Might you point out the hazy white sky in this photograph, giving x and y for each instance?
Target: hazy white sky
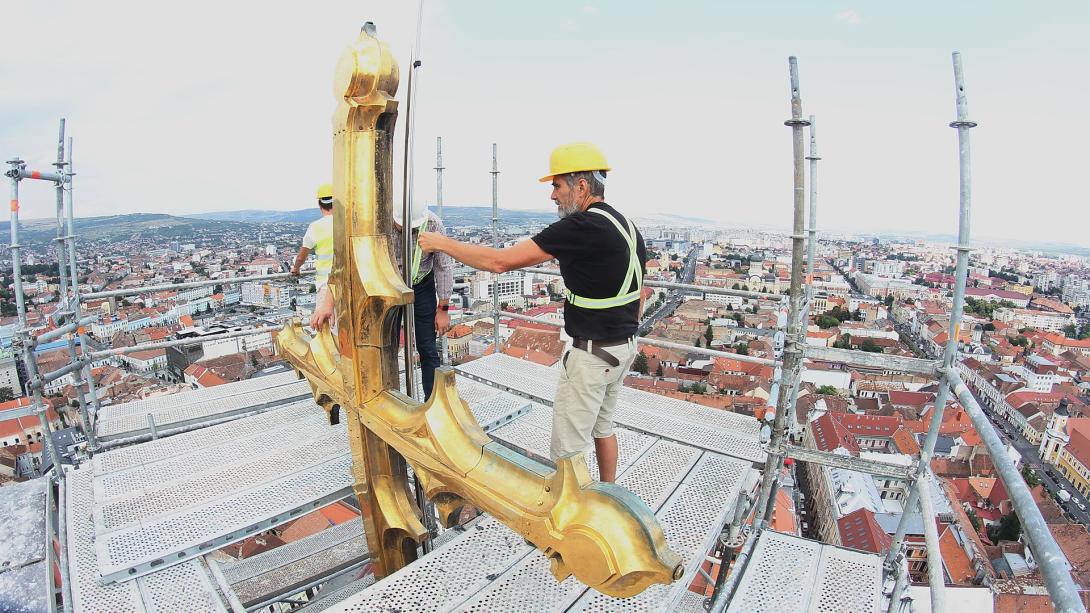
(201, 106)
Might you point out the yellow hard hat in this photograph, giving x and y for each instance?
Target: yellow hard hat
(325, 190)
(575, 157)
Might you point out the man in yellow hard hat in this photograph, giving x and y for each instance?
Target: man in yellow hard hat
(319, 239)
(602, 259)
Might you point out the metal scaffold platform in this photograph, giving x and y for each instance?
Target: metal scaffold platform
(788, 573)
(152, 416)
(143, 516)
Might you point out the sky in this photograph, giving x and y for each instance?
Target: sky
(203, 106)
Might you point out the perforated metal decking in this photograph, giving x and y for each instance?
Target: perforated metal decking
(788, 573)
(143, 515)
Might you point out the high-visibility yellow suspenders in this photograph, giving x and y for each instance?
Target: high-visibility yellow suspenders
(418, 256)
(635, 271)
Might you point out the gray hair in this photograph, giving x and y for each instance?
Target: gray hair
(596, 181)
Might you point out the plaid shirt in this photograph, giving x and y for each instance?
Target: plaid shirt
(439, 263)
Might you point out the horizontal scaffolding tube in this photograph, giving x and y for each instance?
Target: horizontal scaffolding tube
(853, 357)
(640, 340)
(195, 340)
(60, 372)
(719, 291)
(188, 285)
(44, 176)
(56, 333)
(1049, 557)
(871, 467)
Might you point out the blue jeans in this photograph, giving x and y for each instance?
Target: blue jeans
(424, 321)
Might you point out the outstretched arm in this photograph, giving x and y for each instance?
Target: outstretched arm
(525, 253)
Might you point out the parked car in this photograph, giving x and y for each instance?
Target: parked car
(1063, 495)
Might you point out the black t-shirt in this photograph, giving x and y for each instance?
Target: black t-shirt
(593, 260)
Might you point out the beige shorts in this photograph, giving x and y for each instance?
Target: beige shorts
(586, 397)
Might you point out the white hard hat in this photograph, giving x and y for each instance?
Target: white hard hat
(419, 213)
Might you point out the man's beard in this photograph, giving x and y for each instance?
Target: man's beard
(563, 209)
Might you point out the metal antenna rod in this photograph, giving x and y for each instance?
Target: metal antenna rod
(408, 247)
(495, 245)
(793, 347)
(443, 357)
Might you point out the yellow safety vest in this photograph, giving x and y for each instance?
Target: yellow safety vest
(323, 249)
(635, 271)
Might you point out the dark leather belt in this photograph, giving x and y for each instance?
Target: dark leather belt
(597, 348)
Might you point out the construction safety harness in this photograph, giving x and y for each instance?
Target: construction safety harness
(635, 271)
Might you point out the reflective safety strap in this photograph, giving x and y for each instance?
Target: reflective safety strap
(633, 272)
(418, 255)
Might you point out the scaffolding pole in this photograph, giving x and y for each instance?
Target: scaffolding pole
(935, 580)
(22, 335)
(132, 291)
(704, 289)
(810, 249)
(792, 348)
(949, 355)
(1050, 558)
(495, 245)
(87, 374)
(66, 266)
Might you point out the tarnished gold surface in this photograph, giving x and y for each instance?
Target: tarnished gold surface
(599, 532)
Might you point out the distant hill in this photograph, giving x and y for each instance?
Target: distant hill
(452, 216)
(261, 216)
(115, 227)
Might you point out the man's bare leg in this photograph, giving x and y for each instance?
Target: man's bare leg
(606, 450)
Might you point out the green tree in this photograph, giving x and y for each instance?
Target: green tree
(1020, 341)
(640, 363)
(827, 390)
(989, 327)
(870, 346)
(1008, 529)
(889, 300)
(742, 349)
(1030, 476)
(974, 519)
(708, 336)
(827, 321)
(735, 286)
(6, 394)
(658, 370)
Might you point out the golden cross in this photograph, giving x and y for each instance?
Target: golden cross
(599, 532)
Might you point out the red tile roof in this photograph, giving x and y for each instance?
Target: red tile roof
(859, 530)
(955, 559)
(870, 425)
(905, 442)
(830, 434)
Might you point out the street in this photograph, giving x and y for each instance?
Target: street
(1050, 477)
(673, 297)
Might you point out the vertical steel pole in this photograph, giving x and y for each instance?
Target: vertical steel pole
(810, 254)
(408, 246)
(23, 334)
(793, 346)
(62, 260)
(87, 372)
(66, 244)
(935, 580)
(495, 245)
(949, 355)
(443, 357)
